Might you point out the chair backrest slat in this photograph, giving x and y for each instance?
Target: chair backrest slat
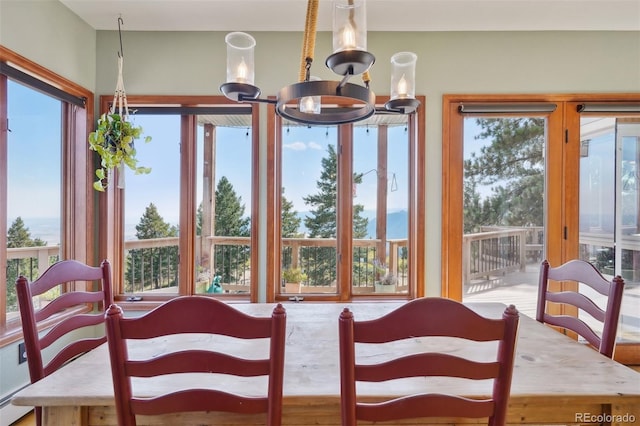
(68, 325)
(438, 406)
(578, 300)
(428, 364)
(196, 361)
(68, 300)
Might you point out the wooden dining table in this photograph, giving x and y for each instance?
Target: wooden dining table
(556, 380)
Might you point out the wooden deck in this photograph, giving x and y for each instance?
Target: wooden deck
(521, 289)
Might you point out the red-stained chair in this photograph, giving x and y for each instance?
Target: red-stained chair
(76, 309)
(429, 316)
(581, 271)
(196, 314)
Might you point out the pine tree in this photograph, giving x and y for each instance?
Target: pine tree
(290, 220)
(153, 267)
(18, 235)
(514, 164)
(290, 228)
(230, 221)
(199, 219)
(322, 221)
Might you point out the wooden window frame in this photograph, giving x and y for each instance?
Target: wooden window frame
(77, 227)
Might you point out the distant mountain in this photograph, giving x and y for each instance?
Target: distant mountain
(397, 224)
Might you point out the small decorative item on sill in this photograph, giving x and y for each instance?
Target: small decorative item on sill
(114, 136)
(386, 284)
(293, 278)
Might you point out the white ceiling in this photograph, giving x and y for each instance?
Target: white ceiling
(382, 15)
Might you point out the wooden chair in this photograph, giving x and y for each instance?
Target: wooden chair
(76, 309)
(196, 314)
(580, 271)
(430, 316)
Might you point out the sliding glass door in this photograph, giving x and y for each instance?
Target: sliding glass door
(609, 206)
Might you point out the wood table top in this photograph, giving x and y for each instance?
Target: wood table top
(548, 364)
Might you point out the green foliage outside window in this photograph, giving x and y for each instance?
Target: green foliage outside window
(513, 165)
(18, 235)
(322, 224)
(154, 267)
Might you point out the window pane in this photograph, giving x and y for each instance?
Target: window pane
(309, 191)
(504, 174)
(381, 209)
(223, 226)
(152, 209)
(34, 187)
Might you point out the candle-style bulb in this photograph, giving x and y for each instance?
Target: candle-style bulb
(241, 72)
(402, 87)
(348, 37)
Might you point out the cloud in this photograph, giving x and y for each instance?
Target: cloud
(296, 146)
(315, 145)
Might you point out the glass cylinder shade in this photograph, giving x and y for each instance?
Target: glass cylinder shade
(240, 62)
(349, 26)
(403, 75)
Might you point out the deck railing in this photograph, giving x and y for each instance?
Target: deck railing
(498, 251)
(493, 251)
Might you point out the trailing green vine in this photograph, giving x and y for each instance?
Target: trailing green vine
(114, 140)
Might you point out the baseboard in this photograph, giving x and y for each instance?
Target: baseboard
(11, 413)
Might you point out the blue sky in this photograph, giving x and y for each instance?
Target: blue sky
(34, 154)
(304, 148)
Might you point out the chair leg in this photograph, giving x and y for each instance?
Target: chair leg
(38, 414)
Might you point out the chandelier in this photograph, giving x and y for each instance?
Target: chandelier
(313, 101)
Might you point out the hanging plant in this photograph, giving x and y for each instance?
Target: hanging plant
(114, 140)
(115, 135)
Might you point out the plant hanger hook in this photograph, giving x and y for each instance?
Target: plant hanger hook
(120, 97)
(121, 51)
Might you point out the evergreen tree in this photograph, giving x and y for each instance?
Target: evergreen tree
(158, 266)
(230, 221)
(199, 219)
(290, 228)
(322, 221)
(514, 164)
(18, 235)
(290, 220)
